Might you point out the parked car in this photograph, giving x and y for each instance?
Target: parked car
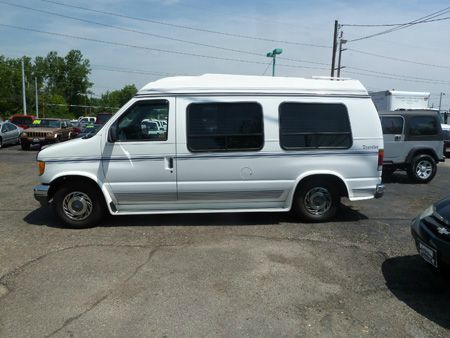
(238, 144)
(431, 232)
(9, 133)
(102, 118)
(413, 141)
(84, 120)
(22, 121)
(47, 131)
(89, 130)
(152, 129)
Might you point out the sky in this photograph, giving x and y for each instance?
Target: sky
(193, 37)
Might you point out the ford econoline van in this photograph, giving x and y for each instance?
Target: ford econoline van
(231, 144)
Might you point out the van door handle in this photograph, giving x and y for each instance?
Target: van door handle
(168, 163)
(397, 138)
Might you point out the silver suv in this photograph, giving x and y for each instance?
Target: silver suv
(413, 141)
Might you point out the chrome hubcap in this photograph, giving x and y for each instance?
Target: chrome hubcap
(77, 206)
(318, 201)
(424, 169)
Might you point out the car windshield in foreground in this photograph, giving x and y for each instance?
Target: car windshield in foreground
(46, 124)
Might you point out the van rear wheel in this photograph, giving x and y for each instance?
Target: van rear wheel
(316, 201)
(78, 205)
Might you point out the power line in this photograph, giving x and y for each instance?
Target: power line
(78, 105)
(393, 24)
(406, 25)
(268, 65)
(151, 48)
(186, 27)
(398, 59)
(400, 75)
(392, 78)
(131, 71)
(155, 35)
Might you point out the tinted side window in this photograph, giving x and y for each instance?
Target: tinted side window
(314, 125)
(392, 124)
(137, 123)
(225, 127)
(423, 125)
(11, 127)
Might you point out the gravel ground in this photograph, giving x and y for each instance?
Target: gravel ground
(218, 274)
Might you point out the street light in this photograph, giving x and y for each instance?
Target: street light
(273, 54)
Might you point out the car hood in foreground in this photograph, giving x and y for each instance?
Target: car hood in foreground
(443, 208)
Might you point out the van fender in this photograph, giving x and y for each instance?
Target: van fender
(310, 174)
(102, 185)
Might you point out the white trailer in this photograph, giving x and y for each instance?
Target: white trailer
(390, 100)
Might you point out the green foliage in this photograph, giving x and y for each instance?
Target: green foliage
(115, 99)
(56, 106)
(65, 78)
(63, 83)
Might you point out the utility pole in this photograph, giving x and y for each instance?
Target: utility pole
(333, 56)
(23, 90)
(440, 101)
(341, 42)
(37, 99)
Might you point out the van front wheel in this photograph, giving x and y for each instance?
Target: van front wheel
(78, 205)
(316, 201)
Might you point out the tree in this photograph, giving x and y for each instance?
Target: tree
(56, 106)
(76, 82)
(66, 77)
(117, 98)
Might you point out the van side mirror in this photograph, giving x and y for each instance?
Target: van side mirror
(112, 133)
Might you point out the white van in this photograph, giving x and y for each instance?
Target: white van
(232, 144)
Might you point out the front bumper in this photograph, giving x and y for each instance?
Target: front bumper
(431, 233)
(41, 194)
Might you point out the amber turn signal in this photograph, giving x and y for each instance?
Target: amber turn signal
(41, 168)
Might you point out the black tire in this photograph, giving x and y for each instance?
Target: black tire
(1, 142)
(25, 145)
(422, 168)
(316, 200)
(81, 200)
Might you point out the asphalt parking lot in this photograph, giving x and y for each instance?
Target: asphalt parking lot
(218, 274)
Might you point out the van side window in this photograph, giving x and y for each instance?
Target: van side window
(144, 121)
(392, 124)
(423, 125)
(314, 125)
(225, 126)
